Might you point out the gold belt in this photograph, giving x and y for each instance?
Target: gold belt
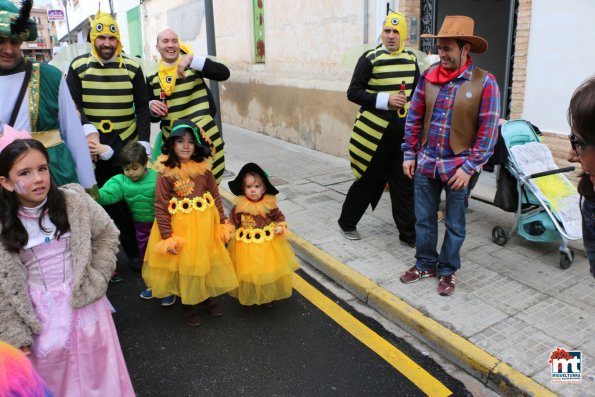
(48, 138)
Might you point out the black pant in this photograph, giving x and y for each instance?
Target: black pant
(119, 212)
(386, 166)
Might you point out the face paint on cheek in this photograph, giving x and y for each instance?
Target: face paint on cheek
(19, 187)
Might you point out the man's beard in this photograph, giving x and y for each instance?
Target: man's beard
(106, 53)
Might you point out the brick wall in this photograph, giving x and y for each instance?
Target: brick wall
(520, 59)
(411, 8)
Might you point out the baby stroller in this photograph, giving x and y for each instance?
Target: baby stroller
(547, 208)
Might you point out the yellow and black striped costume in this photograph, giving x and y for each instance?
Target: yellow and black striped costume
(191, 100)
(386, 75)
(114, 99)
(107, 93)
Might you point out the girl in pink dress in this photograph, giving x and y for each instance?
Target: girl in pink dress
(57, 252)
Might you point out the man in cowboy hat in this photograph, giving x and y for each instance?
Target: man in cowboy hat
(110, 92)
(382, 84)
(36, 99)
(178, 91)
(451, 130)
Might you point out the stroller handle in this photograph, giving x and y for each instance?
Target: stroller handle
(551, 172)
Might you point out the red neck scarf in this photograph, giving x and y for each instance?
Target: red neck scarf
(440, 75)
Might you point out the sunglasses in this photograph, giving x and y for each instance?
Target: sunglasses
(577, 145)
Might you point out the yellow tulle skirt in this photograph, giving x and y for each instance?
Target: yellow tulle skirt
(264, 270)
(200, 270)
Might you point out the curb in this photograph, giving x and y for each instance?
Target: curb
(491, 371)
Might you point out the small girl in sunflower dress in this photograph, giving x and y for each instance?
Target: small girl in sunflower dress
(263, 259)
(186, 255)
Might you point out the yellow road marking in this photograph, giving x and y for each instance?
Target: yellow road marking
(412, 371)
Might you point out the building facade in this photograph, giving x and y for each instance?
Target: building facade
(291, 61)
(42, 48)
(127, 13)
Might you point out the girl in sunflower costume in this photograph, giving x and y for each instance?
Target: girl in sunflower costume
(186, 255)
(263, 259)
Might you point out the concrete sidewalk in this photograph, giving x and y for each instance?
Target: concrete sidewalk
(513, 305)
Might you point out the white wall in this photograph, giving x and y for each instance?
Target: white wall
(121, 8)
(381, 14)
(185, 17)
(560, 57)
(305, 41)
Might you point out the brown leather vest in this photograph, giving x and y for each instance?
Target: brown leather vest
(463, 124)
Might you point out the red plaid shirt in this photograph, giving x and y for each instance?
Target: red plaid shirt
(436, 158)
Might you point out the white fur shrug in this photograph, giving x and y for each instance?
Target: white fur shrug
(94, 244)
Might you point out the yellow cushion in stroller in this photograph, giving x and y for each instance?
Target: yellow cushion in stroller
(556, 190)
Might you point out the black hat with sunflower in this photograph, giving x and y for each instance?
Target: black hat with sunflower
(236, 185)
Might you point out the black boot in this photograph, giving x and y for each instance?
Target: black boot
(190, 315)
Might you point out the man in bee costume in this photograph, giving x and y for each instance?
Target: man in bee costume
(35, 98)
(178, 91)
(382, 84)
(110, 91)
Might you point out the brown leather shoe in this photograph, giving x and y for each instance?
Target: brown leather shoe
(192, 319)
(446, 286)
(414, 274)
(190, 315)
(212, 307)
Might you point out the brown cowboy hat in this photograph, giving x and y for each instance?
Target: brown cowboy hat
(460, 27)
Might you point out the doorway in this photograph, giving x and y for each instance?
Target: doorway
(495, 21)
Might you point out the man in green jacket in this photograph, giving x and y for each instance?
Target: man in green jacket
(36, 99)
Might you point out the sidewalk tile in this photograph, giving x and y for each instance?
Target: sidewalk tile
(518, 343)
(569, 324)
(580, 295)
(504, 293)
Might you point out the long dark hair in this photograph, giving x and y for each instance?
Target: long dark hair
(201, 150)
(581, 118)
(14, 236)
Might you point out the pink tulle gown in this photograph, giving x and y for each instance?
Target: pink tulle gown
(78, 353)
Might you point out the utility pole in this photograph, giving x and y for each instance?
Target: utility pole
(65, 4)
(211, 50)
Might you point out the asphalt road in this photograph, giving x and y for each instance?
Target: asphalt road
(292, 349)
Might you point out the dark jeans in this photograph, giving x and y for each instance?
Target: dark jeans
(386, 166)
(588, 212)
(427, 194)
